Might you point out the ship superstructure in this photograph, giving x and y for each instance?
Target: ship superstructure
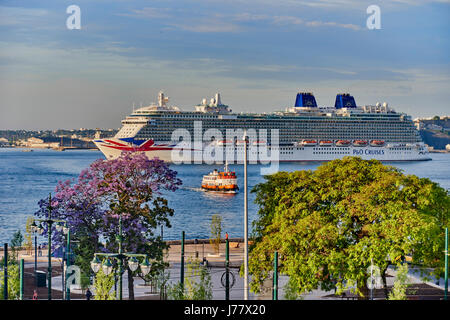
(304, 132)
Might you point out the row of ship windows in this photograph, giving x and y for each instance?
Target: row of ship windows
(233, 120)
(400, 138)
(282, 127)
(265, 121)
(308, 133)
(295, 137)
(304, 133)
(391, 139)
(298, 126)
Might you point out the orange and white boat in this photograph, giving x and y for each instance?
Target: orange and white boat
(325, 143)
(309, 143)
(219, 181)
(377, 143)
(342, 143)
(224, 142)
(259, 143)
(359, 143)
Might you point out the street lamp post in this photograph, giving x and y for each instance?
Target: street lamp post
(107, 266)
(35, 253)
(275, 276)
(5, 271)
(227, 268)
(182, 261)
(120, 257)
(245, 219)
(446, 266)
(21, 278)
(49, 221)
(66, 231)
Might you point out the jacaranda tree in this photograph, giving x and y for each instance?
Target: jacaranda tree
(331, 224)
(129, 187)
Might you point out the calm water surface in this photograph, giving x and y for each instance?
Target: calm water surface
(27, 177)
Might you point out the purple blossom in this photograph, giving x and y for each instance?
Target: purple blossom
(129, 186)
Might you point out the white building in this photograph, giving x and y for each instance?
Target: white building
(4, 142)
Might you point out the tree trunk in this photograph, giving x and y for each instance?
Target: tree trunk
(130, 285)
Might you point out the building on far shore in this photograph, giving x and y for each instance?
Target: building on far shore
(4, 142)
(38, 143)
(57, 142)
(435, 131)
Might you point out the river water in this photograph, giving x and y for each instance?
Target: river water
(27, 177)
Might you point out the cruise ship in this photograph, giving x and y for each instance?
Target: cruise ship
(213, 133)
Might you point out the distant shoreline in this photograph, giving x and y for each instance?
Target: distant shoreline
(55, 149)
(439, 151)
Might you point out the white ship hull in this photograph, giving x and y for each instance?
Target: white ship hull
(256, 154)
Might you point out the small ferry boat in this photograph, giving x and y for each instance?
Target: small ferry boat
(218, 181)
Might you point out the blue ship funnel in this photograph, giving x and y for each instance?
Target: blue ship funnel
(305, 99)
(344, 100)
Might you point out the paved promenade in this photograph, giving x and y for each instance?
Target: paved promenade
(216, 265)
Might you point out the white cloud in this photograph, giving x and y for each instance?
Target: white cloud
(290, 20)
(149, 13)
(206, 26)
(13, 16)
(227, 22)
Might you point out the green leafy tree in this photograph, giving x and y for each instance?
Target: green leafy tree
(29, 235)
(216, 232)
(13, 282)
(401, 283)
(197, 284)
(175, 291)
(85, 281)
(103, 285)
(290, 291)
(16, 244)
(329, 224)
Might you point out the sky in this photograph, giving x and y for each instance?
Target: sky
(257, 53)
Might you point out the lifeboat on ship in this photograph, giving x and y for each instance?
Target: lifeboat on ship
(224, 142)
(342, 143)
(325, 143)
(309, 143)
(377, 143)
(259, 143)
(221, 181)
(359, 143)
